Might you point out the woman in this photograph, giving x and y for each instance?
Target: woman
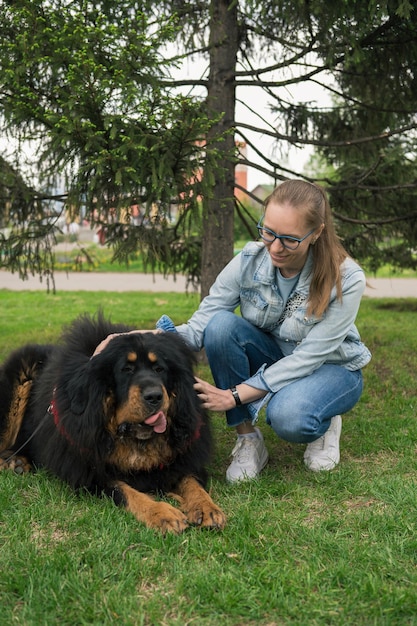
(294, 348)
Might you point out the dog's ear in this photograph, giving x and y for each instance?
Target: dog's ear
(88, 385)
(85, 395)
(78, 389)
(181, 375)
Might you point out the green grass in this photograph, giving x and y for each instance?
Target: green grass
(337, 548)
(37, 315)
(90, 257)
(387, 271)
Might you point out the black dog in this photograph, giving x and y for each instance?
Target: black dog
(126, 422)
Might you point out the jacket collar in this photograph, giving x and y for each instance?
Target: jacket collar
(265, 272)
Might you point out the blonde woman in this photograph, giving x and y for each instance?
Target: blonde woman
(294, 347)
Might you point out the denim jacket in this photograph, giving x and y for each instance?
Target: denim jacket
(249, 281)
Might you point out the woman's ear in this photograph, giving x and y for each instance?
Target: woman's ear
(317, 234)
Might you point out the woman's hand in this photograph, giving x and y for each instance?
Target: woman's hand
(216, 399)
(103, 344)
(213, 398)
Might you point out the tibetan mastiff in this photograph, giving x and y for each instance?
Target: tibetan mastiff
(126, 422)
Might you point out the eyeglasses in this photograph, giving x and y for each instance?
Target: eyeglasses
(291, 243)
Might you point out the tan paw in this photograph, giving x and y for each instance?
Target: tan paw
(18, 464)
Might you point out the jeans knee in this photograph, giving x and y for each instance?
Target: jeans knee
(219, 329)
(285, 430)
(293, 426)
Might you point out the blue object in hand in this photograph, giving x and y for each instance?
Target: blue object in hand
(165, 323)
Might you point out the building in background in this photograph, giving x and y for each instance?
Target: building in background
(241, 173)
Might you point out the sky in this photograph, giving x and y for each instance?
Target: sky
(259, 101)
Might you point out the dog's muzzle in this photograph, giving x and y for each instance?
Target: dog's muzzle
(156, 423)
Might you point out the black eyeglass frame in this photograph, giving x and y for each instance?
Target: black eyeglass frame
(296, 241)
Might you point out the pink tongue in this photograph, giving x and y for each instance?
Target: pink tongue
(158, 422)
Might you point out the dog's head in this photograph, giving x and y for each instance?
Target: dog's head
(139, 387)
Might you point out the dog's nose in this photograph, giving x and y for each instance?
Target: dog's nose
(153, 396)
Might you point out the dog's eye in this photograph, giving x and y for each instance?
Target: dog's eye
(129, 368)
(158, 368)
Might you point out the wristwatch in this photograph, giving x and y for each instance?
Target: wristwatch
(236, 396)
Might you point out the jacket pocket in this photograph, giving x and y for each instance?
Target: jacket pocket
(297, 326)
(257, 310)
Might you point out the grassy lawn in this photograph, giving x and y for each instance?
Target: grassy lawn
(337, 548)
(91, 257)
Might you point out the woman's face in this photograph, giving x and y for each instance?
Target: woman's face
(283, 219)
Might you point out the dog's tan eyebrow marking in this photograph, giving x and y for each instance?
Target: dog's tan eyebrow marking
(152, 357)
(132, 357)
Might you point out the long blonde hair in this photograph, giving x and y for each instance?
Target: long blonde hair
(328, 252)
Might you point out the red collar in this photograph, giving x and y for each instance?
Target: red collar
(197, 432)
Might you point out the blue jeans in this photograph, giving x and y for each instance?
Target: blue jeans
(299, 412)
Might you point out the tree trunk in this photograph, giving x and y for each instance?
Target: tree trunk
(218, 203)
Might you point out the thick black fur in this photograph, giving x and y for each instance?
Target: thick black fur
(69, 425)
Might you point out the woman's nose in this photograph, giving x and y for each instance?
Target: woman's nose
(277, 243)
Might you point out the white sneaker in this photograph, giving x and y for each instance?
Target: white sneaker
(324, 453)
(249, 458)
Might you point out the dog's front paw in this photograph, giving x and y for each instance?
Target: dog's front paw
(206, 514)
(198, 505)
(166, 518)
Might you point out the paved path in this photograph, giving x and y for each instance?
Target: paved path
(96, 281)
(391, 288)
(113, 281)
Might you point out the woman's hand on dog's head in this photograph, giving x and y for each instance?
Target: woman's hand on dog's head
(103, 344)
